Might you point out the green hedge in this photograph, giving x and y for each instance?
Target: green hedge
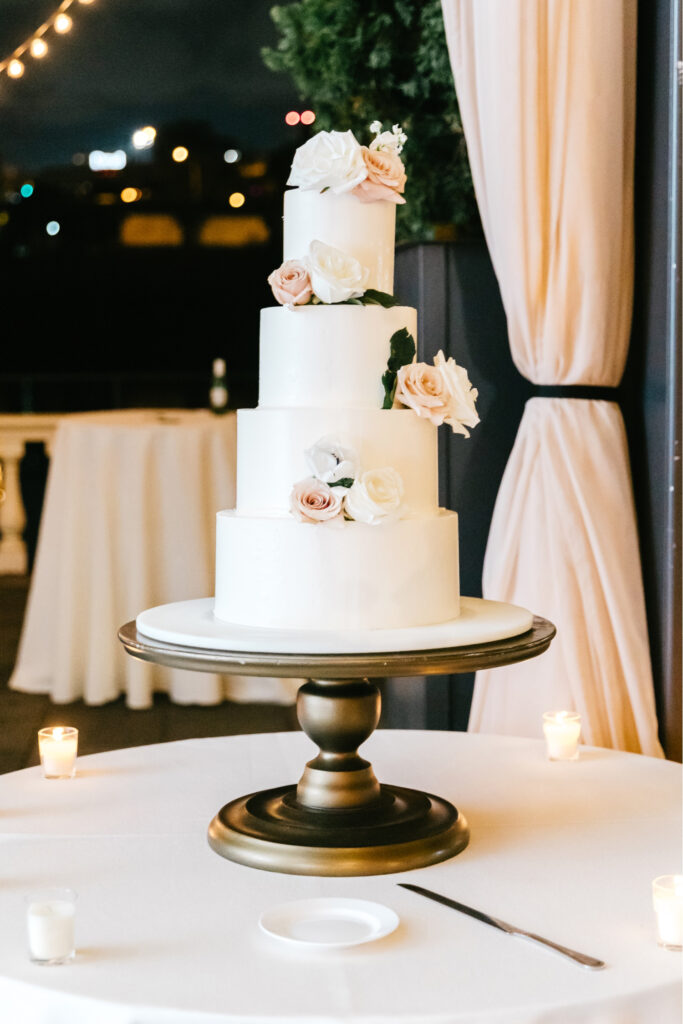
(357, 61)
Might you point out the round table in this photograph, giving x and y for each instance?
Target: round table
(128, 522)
(168, 932)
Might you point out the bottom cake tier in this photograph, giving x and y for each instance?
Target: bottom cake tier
(281, 573)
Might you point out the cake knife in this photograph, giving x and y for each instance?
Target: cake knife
(580, 958)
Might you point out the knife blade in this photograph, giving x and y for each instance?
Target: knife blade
(589, 962)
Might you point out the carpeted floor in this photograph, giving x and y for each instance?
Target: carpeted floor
(112, 725)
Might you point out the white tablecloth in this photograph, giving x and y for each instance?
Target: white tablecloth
(128, 523)
(167, 930)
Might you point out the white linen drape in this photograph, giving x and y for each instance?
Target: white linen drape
(546, 90)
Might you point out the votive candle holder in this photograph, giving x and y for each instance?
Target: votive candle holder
(562, 730)
(58, 747)
(50, 922)
(667, 899)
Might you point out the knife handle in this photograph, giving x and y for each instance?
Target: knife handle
(579, 958)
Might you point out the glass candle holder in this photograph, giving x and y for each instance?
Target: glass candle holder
(562, 730)
(58, 747)
(50, 921)
(667, 899)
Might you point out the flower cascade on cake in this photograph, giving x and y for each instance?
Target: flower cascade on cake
(335, 161)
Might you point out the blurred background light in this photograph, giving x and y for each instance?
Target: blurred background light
(180, 154)
(38, 48)
(26, 190)
(52, 227)
(62, 23)
(98, 160)
(236, 200)
(292, 117)
(144, 138)
(15, 68)
(307, 117)
(231, 156)
(130, 195)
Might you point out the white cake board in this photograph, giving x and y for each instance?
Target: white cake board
(193, 624)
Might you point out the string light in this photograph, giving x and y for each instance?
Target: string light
(59, 21)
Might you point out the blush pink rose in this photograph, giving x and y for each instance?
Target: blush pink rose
(313, 501)
(441, 393)
(291, 283)
(386, 177)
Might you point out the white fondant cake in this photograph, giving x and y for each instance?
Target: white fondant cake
(337, 524)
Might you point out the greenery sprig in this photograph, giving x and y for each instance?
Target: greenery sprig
(401, 352)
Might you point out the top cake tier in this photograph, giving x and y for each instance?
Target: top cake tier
(365, 231)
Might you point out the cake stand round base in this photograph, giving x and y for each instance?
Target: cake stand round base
(401, 830)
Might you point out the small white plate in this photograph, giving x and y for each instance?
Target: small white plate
(328, 922)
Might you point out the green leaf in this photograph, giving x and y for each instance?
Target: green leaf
(401, 352)
(373, 297)
(346, 481)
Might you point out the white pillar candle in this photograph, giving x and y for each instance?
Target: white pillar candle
(58, 748)
(667, 899)
(562, 730)
(50, 919)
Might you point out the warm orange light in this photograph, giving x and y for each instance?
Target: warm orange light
(236, 200)
(38, 48)
(180, 154)
(84, 2)
(130, 195)
(307, 117)
(292, 117)
(15, 68)
(62, 23)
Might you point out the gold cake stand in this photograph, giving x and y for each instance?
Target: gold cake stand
(338, 819)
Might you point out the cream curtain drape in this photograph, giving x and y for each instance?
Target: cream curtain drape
(547, 96)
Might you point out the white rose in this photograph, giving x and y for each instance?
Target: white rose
(375, 496)
(330, 462)
(461, 395)
(335, 276)
(328, 160)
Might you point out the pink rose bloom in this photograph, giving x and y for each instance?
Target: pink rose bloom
(313, 501)
(291, 283)
(386, 177)
(441, 393)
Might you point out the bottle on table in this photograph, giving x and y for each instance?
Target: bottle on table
(218, 393)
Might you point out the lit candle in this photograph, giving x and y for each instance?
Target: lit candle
(667, 898)
(562, 730)
(50, 920)
(58, 749)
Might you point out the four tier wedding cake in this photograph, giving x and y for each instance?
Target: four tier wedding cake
(337, 524)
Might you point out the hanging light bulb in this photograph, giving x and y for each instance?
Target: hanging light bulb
(15, 68)
(63, 23)
(38, 48)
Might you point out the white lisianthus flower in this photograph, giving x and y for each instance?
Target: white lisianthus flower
(375, 497)
(392, 142)
(330, 462)
(335, 276)
(328, 160)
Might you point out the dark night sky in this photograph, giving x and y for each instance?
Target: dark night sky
(127, 63)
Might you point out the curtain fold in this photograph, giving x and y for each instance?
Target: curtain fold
(546, 90)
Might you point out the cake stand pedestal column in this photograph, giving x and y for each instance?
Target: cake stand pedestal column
(338, 819)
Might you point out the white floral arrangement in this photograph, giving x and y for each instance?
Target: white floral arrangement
(338, 491)
(336, 161)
